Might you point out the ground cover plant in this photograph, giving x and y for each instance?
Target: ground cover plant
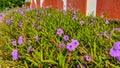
(48, 38)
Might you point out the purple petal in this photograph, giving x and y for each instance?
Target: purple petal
(78, 66)
(11, 20)
(117, 45)
(22, 13)
(38, 27)
(13, 43)
(104, 33)
(20, 23)
(88, 59)
(70, 47)
(62, 45)
(33, 25)
(107, 22)
(37, 38)
(118, 58)
(59, 31)
(111, 32)
(20, 40)
(66, 37)
(102, 16)
(30, 49)
(1, 17)
(15, 54)
(81, 22)
(114, 53)
(117, 28)
(75, 42)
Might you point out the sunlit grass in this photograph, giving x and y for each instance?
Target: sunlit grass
(47, 51)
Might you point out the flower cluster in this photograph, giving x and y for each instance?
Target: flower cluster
(20, 42)
(115, 51)
(71, 45)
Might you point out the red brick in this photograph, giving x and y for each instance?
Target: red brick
(57, 4)
(111, 8)
(78, 5)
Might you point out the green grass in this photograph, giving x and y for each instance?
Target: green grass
(47, 50)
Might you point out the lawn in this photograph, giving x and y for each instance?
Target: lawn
(48, 38)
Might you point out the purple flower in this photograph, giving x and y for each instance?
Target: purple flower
(28, 9)
(93, 20)
(83, 66)
(15, 54)
(38, 27)
(78, 66)
(104, 33)
(75, 42)
(20, 40)
(107, 22)
(22, 13)
(81, 22)
(117, 45)
(117, 28)
(59, 31)
(37, 38)
(92, 24)
(1, 17)
(66, 37)
(114, 52)
(13, 43)
(70, 47)
(50, 65)
(112, 31)
(33, 25)
(100, 35)
(11, 20)
(88, 59)
(20, 23)
(62, 45)
(43, 11)
(118, 58)
(87, 23)
(30, 49)
(74, 15)
(47, 7)
(102, 16)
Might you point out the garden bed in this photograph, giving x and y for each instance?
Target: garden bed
(37, 38)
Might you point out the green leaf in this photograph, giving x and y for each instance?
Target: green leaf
(26, 65)
(49, 61)
(32, 61)
(61, 59)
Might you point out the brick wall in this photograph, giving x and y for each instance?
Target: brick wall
(110, 8)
